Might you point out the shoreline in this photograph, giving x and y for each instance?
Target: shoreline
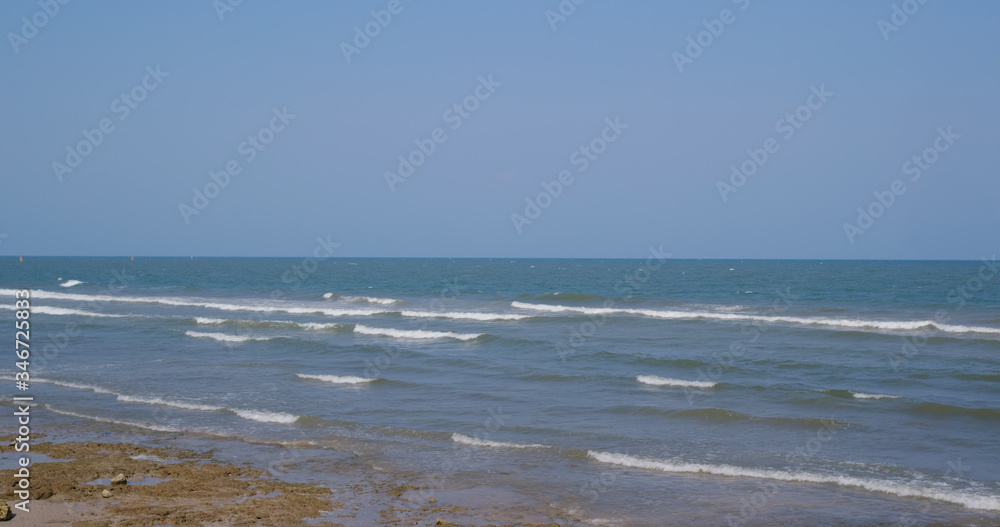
(176, 485)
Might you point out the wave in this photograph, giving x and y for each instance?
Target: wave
(937, 409)
(147, 426)
(222, 337)
(272, 323)
(266, 417)
(70, 283)
(812, 321)
(473, 441)
(223, 306)
(847, 394)
(464, 315)
(255, 415)
(337, 379)
(75, 386)
(660, 381)
(370, 300)
(52, 310)
(414, 333)
(966, 499)
(859, 395)
(174, 404)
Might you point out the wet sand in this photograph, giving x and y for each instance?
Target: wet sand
(195, 488)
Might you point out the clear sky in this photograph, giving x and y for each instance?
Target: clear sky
(312, 115)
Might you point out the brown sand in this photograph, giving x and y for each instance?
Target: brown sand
(201, 491)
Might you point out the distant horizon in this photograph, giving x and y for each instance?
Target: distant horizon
(982, 258)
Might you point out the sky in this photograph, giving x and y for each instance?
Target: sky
(409, 128)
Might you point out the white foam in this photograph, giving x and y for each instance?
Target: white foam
(317, 325)
(222, 337)
(203, 320)
(70, 283)
(76, 386)
(413, 333)
(661, 381)
(266, 417)
(304, 325)
(52, 310)
(463, 315)
(336, 379)
(859, 395)
(967, 499)
(370, 299)
(330, 295)
(466, 440)
(263, 307)
(157, 428)
(893, 325)
(174, 404)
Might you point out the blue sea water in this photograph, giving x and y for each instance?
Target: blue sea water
(609, 392)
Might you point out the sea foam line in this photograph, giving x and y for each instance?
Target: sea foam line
(832, 322)
(157, 428)
(336, 379)
(300, 309)
(474, 441)
(413, 333)
(859, 395)
(661, 381)
(223, 306)
(303, 325)
(222, 337)
(254, 415)
(470, 315)
(52, 310)
(966, 499)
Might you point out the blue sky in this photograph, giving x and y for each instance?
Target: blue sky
(547, 87)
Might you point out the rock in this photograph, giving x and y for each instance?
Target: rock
(432, 500)
(106, 493)
(5, 513)
(119, 480)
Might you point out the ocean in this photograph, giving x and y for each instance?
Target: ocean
(653, 391)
